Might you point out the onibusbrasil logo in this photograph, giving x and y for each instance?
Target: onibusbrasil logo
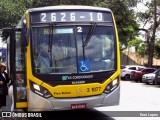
(21, 114)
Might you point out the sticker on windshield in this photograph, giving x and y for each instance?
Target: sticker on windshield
(58, 31)
(84, 65)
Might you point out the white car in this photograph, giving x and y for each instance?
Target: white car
(126, 71)
(149, 78)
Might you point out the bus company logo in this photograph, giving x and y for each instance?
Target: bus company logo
(64, 77)
(20, 114)
(79, 90)
(77, 77)
(6, 114)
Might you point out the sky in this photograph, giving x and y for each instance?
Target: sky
(142, 8)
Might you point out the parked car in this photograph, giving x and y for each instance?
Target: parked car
(149, 78)
(137, 75)
(126, 71)
(157, 77)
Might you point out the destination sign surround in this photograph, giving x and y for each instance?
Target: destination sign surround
(70, 16)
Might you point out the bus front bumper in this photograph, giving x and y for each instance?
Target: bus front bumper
(38, 103)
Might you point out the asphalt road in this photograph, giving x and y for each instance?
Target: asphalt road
(138, 100)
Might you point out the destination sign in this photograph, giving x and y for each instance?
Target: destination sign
(70, 16)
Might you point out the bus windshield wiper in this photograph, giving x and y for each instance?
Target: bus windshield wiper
(51, 32)
(88, 37)
(50, 37)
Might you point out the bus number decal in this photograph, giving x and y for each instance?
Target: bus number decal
(43, 19)
(91, 16)
(53, 16)
(63, 17)
(94, 89)
(99, 16)
(88, 90)
(72, 16)
(79, 29)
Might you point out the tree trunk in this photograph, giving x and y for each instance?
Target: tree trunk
(152, 40)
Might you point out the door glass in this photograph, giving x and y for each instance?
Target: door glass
(20, 67)
(20, 87)
(19, 55)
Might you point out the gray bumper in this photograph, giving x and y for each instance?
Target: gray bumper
(38, 103)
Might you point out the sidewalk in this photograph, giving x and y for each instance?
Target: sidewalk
(7, 109)
(8, 105)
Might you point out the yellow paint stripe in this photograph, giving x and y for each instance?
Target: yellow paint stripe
(21, 105)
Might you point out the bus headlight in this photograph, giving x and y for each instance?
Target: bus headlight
(111, 86)
(40, 90)
(36, 87)
(114, 82)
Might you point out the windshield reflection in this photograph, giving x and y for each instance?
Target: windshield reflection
(62, 50)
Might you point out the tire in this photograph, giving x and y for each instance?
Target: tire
(137, 80)
(127, 77)
(154, 83)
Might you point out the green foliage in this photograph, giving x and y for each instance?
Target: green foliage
(125, 18)
(36, 3)
(10, 12)
(157, 49)
(135, 43)
(158, 2)
(140, 46)
(142, 49)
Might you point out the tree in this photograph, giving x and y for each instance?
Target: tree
(124, 15)
(135, 43)
(36, 3)
(157, 49)
(152, 40)
(125, 19)
(10, 13)
(150, 16)
(12, 10)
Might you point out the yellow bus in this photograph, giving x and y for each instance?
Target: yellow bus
(65, 57)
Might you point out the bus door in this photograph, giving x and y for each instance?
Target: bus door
(18, 68)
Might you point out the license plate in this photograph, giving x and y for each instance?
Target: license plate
(150, 81)
(78, 106)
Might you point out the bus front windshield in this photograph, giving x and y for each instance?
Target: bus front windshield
(73, 49)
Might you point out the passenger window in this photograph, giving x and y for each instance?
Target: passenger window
(149, 70)
(132, 68)
(144, 70)
(139, 68)
(152, 70)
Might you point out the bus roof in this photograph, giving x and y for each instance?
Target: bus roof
(68, 7)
